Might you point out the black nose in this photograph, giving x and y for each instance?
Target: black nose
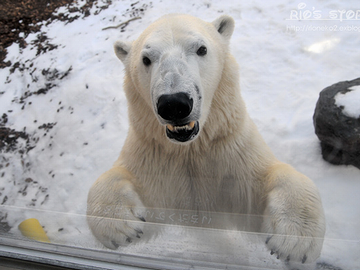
(174, 106)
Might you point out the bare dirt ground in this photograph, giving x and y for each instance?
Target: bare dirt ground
(19, 18)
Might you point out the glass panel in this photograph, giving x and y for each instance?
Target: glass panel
(63, 121)
(176, 243)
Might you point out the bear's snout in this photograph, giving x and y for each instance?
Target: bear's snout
(175, 107)
(176, 110)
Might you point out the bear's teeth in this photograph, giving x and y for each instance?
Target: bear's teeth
(189, 126)
(170, 127)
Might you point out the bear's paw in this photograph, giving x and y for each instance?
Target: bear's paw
(294, 232)
(116, 218)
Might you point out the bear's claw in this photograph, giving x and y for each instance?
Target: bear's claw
(116, 245)
(268, 239)
(304, 259)
(286, 257)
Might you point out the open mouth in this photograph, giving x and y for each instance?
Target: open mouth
(183, 133)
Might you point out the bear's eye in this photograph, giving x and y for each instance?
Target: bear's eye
(146, 61)
(201, 51)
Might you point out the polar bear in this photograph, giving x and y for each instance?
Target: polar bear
(192, 146)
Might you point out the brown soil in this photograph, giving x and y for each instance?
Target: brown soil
(23, 16)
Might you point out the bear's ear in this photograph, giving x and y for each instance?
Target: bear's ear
(122, 50)
(225, 26)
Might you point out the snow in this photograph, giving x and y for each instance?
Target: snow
(349, 101)
(284, 64)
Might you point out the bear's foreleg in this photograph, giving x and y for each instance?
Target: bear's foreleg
(115, 212)
(293, 219)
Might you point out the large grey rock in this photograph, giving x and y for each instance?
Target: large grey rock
(339, 134)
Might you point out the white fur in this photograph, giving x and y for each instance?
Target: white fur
(227, 168)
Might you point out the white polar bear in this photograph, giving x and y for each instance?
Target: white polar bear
(192, 146)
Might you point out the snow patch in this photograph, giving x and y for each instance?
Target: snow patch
(349, 101)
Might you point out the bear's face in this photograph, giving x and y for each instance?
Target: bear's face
(176, 66)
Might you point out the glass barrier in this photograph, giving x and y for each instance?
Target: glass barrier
(64, 120)
(170, 240)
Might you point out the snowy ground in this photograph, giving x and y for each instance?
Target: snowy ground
(76, 124)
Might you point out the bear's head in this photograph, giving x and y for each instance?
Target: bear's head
(176, 65)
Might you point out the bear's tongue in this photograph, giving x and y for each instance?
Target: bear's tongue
(182, 133)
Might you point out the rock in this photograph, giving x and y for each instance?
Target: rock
(339, 133)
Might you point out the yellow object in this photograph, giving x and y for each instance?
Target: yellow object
(32, 229)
